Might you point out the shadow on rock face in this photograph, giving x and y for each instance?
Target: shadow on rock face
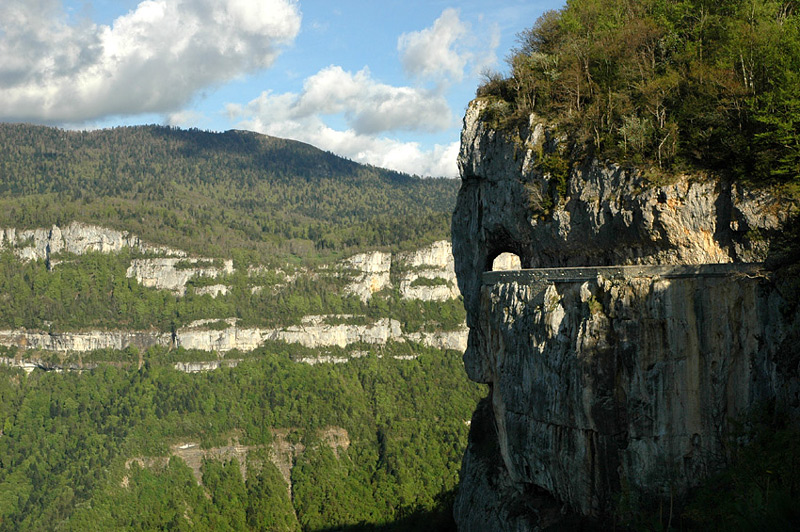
(783, 260)
(619, 385)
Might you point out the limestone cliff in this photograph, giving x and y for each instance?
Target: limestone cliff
(615, 379)
(173, 273)
(371, 273)
(314, 332)
(77, 238)
(82, 341)
(429, 273)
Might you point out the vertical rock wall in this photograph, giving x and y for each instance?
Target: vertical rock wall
(622, 381)
(626, 380)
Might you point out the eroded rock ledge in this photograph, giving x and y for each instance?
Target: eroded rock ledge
(312, 334)
(618, 362)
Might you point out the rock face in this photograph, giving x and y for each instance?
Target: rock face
(201, 367)
(214, 290)
(170, 272)
(77, 238)
(313, 333)
(372, 273)
(608, 215)
(83, 341)
(173, 273)
(629, 376)
(283, 453)
(606, 380)
(429, 274)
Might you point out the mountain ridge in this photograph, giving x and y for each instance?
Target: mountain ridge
(262, 196)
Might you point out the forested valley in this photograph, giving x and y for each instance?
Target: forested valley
(367, 435)
(92, 450)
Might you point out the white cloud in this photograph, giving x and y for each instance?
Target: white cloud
(373, 107)
(447, 48)
(408, 157)
(430, 52)
(186, 118)
(153, 59)
(369, 108)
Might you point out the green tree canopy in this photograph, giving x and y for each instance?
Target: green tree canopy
(677, 84)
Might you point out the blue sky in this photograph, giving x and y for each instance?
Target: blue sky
(384, 83)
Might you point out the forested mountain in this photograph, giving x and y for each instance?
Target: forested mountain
(212, 193)
(154, 241)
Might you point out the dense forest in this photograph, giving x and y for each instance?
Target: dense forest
(91, 450)
(673, 85)
(93, 291)
(233, 194)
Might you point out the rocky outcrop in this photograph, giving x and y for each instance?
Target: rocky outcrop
(607, 214)
(314, 332)
(283, 453)
(615, 379)
(173, 273)
(170, 271)
(213, 290)
(206, 335)
(370, 273)
(83, 341)
(612, 377)
(29, 365)
(456, 339)
(77, 238)
(204, 366)
(429, 273)
(311, 334)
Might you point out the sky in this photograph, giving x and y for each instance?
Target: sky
(379, 82)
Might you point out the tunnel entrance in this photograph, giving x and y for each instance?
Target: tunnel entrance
(506, 261)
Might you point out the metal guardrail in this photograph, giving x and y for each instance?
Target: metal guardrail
(585, 273)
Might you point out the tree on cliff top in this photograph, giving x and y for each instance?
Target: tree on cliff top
(676, 84)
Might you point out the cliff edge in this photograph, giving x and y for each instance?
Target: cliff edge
(641, 324)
